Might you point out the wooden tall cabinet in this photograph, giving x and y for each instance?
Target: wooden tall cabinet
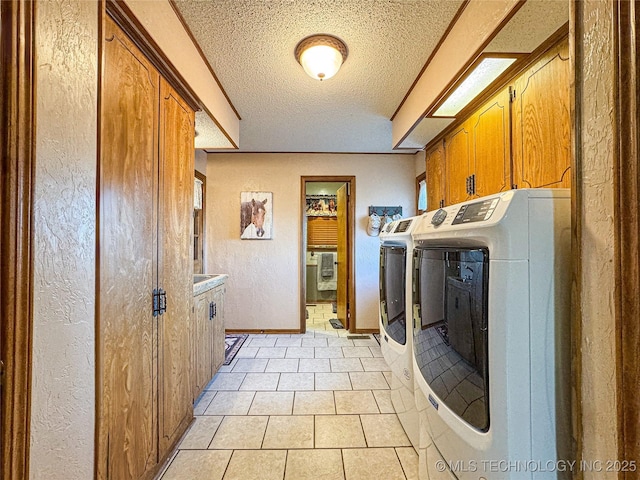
(542, 122)
(145, 261)
(457, 148)
(435, 176)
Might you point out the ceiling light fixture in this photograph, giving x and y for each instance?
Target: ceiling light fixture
(480, 76)
(321, 56)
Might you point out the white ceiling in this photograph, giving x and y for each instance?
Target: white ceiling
(250, 45)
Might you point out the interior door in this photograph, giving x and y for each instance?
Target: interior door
(343, 255)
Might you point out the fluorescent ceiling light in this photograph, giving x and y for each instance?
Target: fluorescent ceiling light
(480, 78)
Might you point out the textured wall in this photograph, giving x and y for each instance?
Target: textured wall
(63, 402)
(598, 280)
(420, 160)
(264, 279)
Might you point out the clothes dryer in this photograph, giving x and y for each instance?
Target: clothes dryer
(491, 282)
(396, 339)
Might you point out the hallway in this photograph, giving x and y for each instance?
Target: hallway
(298, 407)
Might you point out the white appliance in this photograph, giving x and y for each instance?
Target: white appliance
(491, 307)
(396, 339)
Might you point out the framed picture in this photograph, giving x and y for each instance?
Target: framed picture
(256, 215)
(322, 205)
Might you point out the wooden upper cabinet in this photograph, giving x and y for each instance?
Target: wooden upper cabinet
(457, 147)
(128, 173)
(177, 130)
(435, 176)
(541, 122)
(491, 155)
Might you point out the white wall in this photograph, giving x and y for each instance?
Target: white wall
(421, 165)
(264, 281)
(63, 400)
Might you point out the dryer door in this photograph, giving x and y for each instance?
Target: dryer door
(450, 328)
(393, 268)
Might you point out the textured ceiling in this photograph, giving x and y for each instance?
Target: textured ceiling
(250, 45)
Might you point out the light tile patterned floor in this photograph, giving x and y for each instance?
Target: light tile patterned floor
(294, 407)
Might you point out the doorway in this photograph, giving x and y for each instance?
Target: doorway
(326, 244)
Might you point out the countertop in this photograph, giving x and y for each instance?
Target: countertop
(205, 282)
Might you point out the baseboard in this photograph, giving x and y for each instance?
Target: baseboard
(367, 330)
(267, 331)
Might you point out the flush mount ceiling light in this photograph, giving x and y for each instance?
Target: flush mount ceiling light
(321, 56)
(485, 71)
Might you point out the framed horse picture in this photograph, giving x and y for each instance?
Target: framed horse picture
(256, 215)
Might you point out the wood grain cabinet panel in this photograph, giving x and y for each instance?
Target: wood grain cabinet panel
(177, 127)
(127, 257)
(541, 122)
(457, 146)
(491, 158)
(218, 329)
(435, 173)
(202, 341)
(145, 244)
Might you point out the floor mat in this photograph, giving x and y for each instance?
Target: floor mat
(335, 323)
(232, 343)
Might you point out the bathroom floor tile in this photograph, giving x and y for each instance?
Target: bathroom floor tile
(272, 403)
(256, 465)
(352, 402)
(291, 431)
(240, 433)
(314, 464)
(409, 461)
(333, 381)
(328, 352)
(271, 352)
(296, 381)
(360, 463)
(260, 381)
(250, 365)
(282, 365)
(376, 351)
(368, 381)
(346, 365)
(384, 430)
(201, 432)
(314, 342)
(339, 342)
(230, 403)
(314, 403)
(266, 341)
(383, 399)
(247, 352)
(203, 402)
(339, 431)
(314, 365)
(289, 342)
(300, 352)
(356, 352)
(374, 365)
(198, 465)
(226, 381)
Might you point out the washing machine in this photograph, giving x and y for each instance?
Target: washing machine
(396, 339)
(491, 318)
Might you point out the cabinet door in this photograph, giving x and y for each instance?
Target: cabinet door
(175, 265)
(435, 176)
(457, 146)
(128, 172)
(541, 122)
(218, 330)
(202, 342)
(491, 159)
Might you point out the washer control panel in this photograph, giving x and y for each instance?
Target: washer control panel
(475, 212)
(439, 217)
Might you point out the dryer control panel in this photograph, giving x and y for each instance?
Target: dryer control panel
(476, 212)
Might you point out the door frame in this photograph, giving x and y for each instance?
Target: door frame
(17, 125)
(351, 284)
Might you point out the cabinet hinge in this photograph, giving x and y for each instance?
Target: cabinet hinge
(159, 301)
(442, 203)
(1, 373)
(514, 187)
(512, 94)
(473, 184)
(212, 310)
